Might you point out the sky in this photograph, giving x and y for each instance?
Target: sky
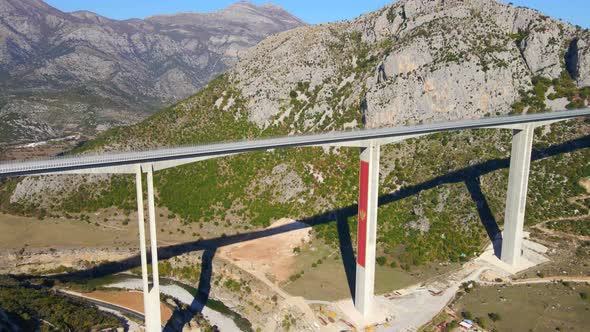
(311, 11)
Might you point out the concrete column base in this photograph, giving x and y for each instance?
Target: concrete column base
(367, 229)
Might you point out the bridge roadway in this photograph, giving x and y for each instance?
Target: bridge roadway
(369, 141)
(343, 138)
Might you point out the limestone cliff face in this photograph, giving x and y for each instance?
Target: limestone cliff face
(580, 59)
(84, 72)
(412, 61)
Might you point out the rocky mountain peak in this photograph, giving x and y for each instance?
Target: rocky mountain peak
(411, 61)
(87, 15)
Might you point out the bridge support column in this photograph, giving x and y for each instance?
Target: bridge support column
(367, 228)
(151, 296)
(520, 162)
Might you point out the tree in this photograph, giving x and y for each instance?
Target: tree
(452, 325)
(467, 315)
(494, 316)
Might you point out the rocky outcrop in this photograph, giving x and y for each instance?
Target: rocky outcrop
(79, 71)
(582, 60)
(412, 61)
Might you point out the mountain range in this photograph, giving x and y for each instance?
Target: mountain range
(64, 73)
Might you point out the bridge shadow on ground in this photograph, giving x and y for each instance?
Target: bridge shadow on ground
(469, 175)
(485, 214)
(182, 316)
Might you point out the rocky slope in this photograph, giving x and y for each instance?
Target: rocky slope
(413, 61)
(71, 72)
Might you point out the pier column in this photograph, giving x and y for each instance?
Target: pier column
(520, 162)
(367, 228)
(151, 295)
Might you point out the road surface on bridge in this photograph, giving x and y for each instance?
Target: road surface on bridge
(63, 164)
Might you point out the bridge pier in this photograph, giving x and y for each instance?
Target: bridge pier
(151, 295)
(520, 162)
(367, 228)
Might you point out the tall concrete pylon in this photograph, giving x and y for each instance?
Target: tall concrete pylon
(520, 162)
(151, 296)
(367, 228)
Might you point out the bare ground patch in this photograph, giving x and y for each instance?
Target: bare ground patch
(130, 300)
(272, 255)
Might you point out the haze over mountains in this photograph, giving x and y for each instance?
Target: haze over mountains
(80, 72)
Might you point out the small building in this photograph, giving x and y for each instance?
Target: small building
(466, 324)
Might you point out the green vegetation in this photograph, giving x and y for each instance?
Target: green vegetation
(519, 36)
(288, 322)
(576, 226)
(34, 307)
(537, 307)
(534, 99)
(391, 14)
(233, 285)
(494, 316)
(564, 87)
(240, 321)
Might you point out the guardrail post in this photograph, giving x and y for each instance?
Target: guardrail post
(520, 162)
(367, 228)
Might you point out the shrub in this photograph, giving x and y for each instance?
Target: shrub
(481, 322)
(232, 285)
(467, 315)
(391, 15)
(494, 316)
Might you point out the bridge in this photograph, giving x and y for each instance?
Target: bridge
(369, 141)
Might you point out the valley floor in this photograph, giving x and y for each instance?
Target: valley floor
(305, 278)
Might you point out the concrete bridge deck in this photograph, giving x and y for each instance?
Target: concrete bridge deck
(170, 157)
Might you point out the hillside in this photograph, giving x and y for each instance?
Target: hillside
(413, 61)
(63, 73)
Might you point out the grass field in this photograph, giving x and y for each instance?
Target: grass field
(327, 281)
(17, 231)
(541, 307)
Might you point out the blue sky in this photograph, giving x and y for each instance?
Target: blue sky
(311, 11)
